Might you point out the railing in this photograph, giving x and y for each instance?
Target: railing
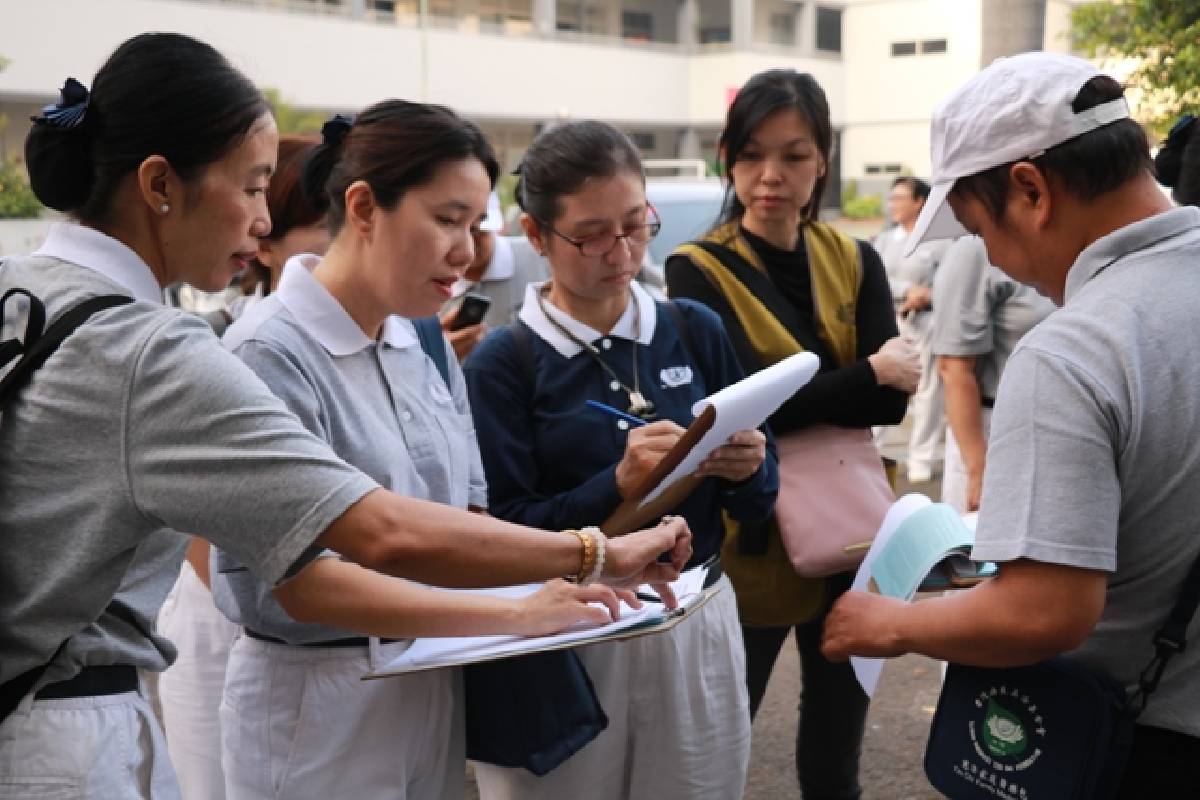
(522, 27)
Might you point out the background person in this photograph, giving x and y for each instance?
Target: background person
(676, 703)
(163, 170)
(979, 315)
(911, 279)
(501, 269)
(1089, 498)
(777, 143)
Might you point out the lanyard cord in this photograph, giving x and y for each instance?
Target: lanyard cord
(638, 405)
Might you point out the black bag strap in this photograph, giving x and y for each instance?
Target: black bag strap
(433, 342)
(40, 344)
(520, 333)
(1170, 639)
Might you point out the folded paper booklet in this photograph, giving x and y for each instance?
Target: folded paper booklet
(920, 546)
(738, 407)
(436, 653)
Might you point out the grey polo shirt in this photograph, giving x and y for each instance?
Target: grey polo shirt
(139, 426)
(979, 311)
(1094, 458)
(381, 405)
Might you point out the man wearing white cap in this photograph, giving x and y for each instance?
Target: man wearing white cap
(1091, 495)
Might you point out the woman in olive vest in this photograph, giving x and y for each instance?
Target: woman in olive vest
(782, 282)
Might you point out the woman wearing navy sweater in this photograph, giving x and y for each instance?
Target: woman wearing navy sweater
(677, 706)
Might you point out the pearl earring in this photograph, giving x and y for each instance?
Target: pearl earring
(164, 208)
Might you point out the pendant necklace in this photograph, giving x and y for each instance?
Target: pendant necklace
(639, 406)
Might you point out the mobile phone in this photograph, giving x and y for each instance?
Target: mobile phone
(471, 310)
(964, 572)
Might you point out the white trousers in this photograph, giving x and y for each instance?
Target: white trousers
(927, 405)
(678, 719)
(299, 722)
(955, 479)
(97, 748)
(190, 691)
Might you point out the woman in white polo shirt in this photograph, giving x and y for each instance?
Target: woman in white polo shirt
(140, 425)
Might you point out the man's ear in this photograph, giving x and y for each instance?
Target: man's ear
(360, 208)
(1029, 193)
(533, 232)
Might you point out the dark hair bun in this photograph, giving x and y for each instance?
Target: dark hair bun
(60, 165)
(314, 177)
(1169, 161)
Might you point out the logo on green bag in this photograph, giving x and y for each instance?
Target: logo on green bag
(1003, 732)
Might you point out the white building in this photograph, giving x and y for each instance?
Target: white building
(664, 70)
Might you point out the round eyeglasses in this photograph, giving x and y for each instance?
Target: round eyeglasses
(635, 235)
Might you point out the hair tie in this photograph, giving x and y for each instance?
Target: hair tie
(335, 130)
(71, 109)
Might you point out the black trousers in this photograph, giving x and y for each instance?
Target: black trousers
(833, 707)
(1162, 764)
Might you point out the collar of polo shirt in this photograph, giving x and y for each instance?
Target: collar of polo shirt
(322, 316)
(88, 247)
(641, 311)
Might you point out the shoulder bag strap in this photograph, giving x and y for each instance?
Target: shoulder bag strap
(433, 342)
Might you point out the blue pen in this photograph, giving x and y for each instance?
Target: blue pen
(613, 412)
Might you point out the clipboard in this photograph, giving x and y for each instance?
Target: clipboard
(632, 514)
(742, 405)
(669, 620)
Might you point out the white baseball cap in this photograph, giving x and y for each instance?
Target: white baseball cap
(494, 221)
(1016, 108)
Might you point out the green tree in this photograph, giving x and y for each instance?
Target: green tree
(289, 119)
(1163, 36)
(16, 198)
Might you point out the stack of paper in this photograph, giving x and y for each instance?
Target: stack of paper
(433, 653)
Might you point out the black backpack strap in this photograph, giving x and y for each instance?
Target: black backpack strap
(1171, 637)
(31, 354)
(433, 342)
(520, 333)
(39, 345)
(681, 328)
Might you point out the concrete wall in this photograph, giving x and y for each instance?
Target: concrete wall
(889, 99)
(330, 62)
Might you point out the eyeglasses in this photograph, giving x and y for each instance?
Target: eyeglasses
(637, 235)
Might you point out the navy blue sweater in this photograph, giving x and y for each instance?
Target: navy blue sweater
(551, 462)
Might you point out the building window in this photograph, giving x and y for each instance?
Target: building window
(645, 142)
(716, 34)
(637, 26)
(933, 46)
(580, 18)
(500, 11)
(782, 29)
(829, 29)
(904, 49)
(883, 169)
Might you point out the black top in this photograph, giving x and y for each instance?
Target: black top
(847, 396)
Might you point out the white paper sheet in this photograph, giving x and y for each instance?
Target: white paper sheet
(867, 670)
(899, 565)
(741, 406)
(445, 651)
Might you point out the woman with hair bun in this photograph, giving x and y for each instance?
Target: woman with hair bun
(190, 691)
(1177, 164)
(140, 426)
(405, 186)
